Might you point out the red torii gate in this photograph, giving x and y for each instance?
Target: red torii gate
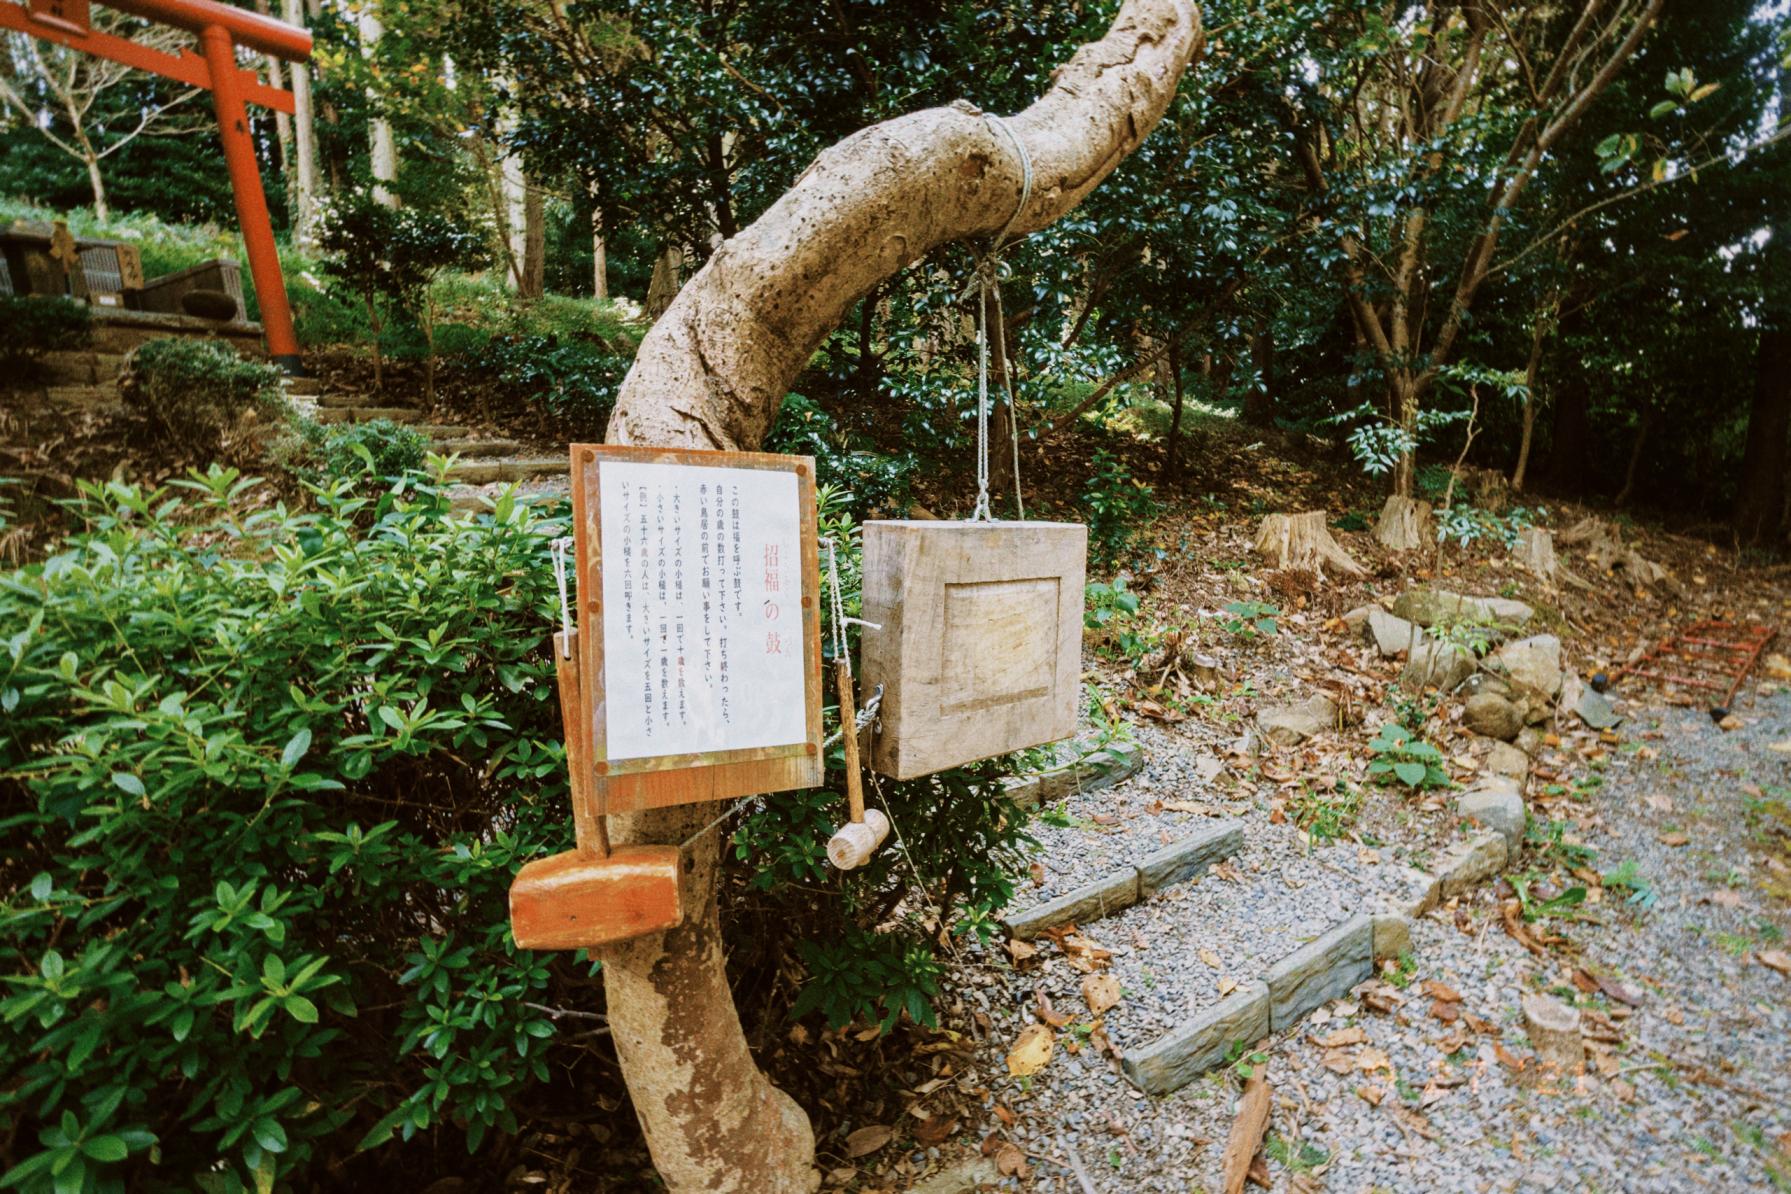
(220, 29)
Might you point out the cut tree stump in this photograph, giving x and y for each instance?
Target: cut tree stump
(1535, 550)
(1303, 541)
(1405, 524)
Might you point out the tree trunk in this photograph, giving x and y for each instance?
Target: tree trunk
(1303, 541)
(1762, 501)
(1531, 371)
(1635, 456)
(304, 143)
(97, 182)
(1171, 465)
(534, 243)
(667, 277)
(599, 257)
(382, 149)
(1259, 402)
(712, 373)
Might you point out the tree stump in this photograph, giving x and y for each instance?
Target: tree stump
(1535, 550)
(1554, 1031)
(1303, 541)
(1405, 524)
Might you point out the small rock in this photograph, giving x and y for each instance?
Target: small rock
(960, 1178)
(1481, 682)
(1427, 607)
(1392, 634)
(1554, 1030)
(1508, 611)
(1506, 759)
(1436, 665)
(1357, 618)
(1595, 709)
(1480, 857)
(1288, 725)
(1533, 663)
(1531, 742)
(1497, 803)
(1492, 716)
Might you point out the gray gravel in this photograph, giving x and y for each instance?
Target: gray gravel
(1693, 1089)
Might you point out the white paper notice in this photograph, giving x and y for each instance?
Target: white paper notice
(702, 609)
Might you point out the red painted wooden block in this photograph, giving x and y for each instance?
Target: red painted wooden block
(578, 900)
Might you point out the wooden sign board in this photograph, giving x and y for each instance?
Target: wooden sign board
(698, 624)
(980, 651)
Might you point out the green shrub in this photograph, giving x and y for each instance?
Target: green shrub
(1119, 508)
(573, 381)
(1400, 755)
(379, 449)
(267, 779)
(197, 392)
(31, 327)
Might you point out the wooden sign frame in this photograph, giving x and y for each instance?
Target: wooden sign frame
(658, 781)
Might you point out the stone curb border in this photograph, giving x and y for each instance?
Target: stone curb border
(1323, 969)
(1098, 769)
(1174, 863)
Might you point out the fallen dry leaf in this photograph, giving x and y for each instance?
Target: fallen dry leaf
(1441, 991)
(1041, 1003)
(936, 1131)
(1343, 1037)
(1776, 959)
(1021, 951)
(1447, 1013)
(1660, 804)
(1038, 874)
(1675, 839)
(1210, 958)
(1031, 1051)
(1372, 1095)
(867, 1140)
(1723, 897)
(1338, 1061)
(1731, 722)
(1507, 1058)
(1010, 1160)
(1227, 985)
(1372, 1059)
(1100, 992)
(1777, 666)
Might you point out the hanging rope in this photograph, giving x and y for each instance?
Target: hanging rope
(560, 548)
(986, 281)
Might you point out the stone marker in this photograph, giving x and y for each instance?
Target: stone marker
(1554, 1030)
(1320, 970)
(1182, 1054)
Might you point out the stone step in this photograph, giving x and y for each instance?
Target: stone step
(444, 431)
(512, 468)
(309, 386)
(79, 367)
(468, 446)
(83, 397)
(474, 499)
(1175, 862)
(366, 414)
(334, 401)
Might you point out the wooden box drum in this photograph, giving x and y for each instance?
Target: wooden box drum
(980, 647)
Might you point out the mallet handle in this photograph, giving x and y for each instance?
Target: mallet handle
(587, 827)
(842, 677)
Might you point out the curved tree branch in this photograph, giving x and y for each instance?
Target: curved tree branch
(711, 374)
(714, 369)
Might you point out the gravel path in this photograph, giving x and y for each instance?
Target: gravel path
(1687, 1085)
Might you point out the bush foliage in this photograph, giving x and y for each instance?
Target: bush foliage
(197, 392)
(268, 776)
(35, 326)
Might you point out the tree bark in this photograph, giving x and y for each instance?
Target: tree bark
(1643, 427)
(382, 148)
(1538, 333)
(599, 257)
(1761, 504)
(712, 373)
(1259, 402)
(534, 243)
(304, 142)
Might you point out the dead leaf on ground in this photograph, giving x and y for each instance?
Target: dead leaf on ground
(1031, 1051)
(1210, 958)
(1372, 1059)
(1343, 1037)
(936, 1131)
(1370, 1094)
(1011, 1161)
(868, 1139)
(1338, 1061)
(1100, 992)
(1041, 1004)
(1441, 991)
(1447, 1013)
(1021, 951)
(1675, 839)
(1227, 985)
(1723, 897)
(1776, 959)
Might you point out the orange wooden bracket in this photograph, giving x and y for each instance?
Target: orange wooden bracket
(55, 22)
(593, 895)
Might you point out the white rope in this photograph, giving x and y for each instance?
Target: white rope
(836, 605)
(986, 280)
(561, 547)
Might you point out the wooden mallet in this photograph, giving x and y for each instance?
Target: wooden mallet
(592, 895)
(853, 844)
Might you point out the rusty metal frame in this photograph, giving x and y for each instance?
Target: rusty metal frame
(1725, 652)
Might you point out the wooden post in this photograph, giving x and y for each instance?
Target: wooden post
(853, 844)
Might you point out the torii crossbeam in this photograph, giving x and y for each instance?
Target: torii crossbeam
(220, 29)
